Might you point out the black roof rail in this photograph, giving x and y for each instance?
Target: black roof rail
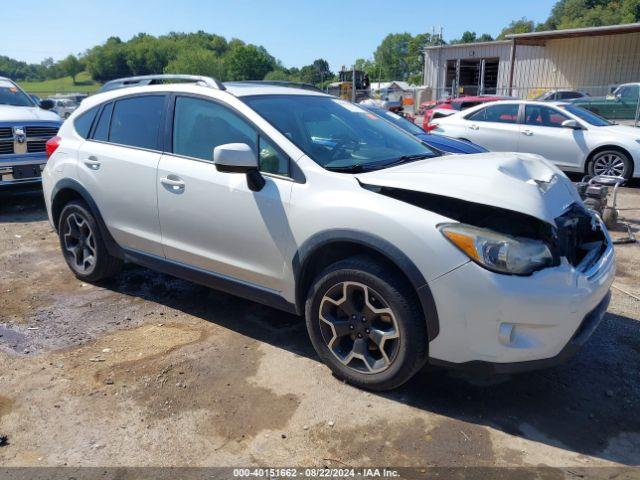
(142, 80)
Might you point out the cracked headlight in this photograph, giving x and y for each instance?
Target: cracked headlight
(496, 251)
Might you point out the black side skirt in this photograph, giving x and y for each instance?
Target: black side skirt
(212, 280)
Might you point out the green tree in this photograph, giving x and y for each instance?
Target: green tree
(108, 61)
(71, 66)
(277, 75)
(198, 61)
(316, 73)
(392, 57)
(517, 26)
(467, 37)
(591, 13)
(248, 62)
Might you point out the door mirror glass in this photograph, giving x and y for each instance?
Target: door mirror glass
(235, 158)
(571, 124)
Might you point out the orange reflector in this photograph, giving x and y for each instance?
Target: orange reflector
(463, 242)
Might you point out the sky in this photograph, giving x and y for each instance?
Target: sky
(295, 32)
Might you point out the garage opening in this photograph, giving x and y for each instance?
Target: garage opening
(476, 76)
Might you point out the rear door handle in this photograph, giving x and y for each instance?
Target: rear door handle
(92, 162)
(474, 127)
(174, 184)
(528, 133)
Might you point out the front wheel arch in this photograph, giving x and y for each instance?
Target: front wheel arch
(329, 247)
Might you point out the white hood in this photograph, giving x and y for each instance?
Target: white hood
(514, 181)
(10, 113)
(626, 130)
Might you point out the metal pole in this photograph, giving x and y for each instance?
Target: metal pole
(512, 65)
(482, 66)
(353, 84)
(637, 110)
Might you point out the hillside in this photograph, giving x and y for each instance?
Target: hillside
(61, 85)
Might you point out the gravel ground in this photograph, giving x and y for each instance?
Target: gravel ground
(149, 370)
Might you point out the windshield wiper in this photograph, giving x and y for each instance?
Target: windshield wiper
(406, 159)
(349, 169)
(359, 168)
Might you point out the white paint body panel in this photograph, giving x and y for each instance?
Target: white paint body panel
(569, 149)
(215, 223)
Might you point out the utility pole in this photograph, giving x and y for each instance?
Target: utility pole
(353, 84)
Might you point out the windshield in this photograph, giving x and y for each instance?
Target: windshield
(589, 117)
(10, 94)
(337, 134)
(397, 120)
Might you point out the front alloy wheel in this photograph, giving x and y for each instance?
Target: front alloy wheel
(610, 162)
(358, 327)
(365, 323)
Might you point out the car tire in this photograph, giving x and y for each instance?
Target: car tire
(610, 160)
(377, 344)
(82, 244)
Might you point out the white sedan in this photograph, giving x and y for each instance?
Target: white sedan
(575, 139)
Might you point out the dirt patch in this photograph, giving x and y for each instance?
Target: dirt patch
(408, 443)
(213, 377)
(5, 405)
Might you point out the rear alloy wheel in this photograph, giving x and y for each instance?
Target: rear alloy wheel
(365, 324)
(82, 244)
(610, 162)
(79, 243)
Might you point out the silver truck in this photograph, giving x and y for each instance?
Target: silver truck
(25, 127)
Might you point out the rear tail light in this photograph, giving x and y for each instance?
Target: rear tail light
(431, 126)
(52, 145)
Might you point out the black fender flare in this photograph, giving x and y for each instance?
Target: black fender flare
(68, 184)
(379, 245)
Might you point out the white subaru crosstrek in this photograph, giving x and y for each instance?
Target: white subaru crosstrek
(397, 256)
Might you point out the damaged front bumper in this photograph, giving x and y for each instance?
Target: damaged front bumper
(511, 323)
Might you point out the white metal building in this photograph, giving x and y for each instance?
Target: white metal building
(592, 59)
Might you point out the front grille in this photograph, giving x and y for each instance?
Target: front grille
(36, 146)
(579, 236)
(37, 136)
(38, 131)
(6, 148)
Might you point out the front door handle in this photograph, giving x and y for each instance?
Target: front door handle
(174, 184)
(92, 162)
(528, 133)
(474, 127)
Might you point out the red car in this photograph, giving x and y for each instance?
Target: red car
(456, 104)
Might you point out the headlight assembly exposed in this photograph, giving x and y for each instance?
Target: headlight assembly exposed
(496, 251)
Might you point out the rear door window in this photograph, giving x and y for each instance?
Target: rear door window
(136, 121)
(540, 116)
(507, 113)
(101, 132)
(83, 123)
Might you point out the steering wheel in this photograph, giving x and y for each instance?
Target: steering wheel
(343, 143)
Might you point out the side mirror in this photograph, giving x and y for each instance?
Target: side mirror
(239, 158)
(571, 124)
(46, 104)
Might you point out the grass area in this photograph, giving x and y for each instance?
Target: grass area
(84, 83)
